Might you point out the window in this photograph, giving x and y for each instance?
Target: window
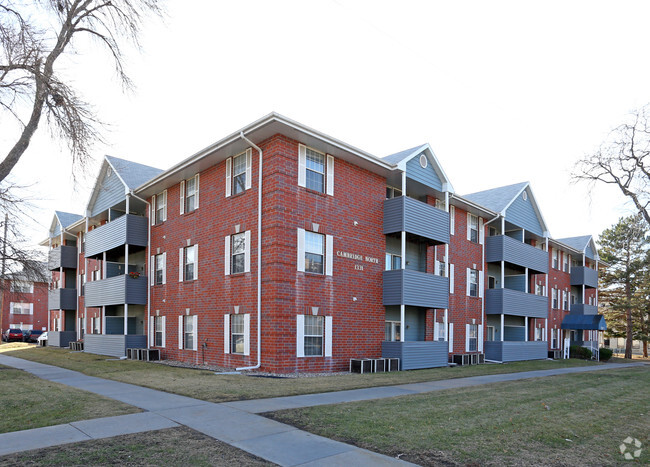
(159, 331)
(492, 282)
(82, 284)
(565, 300)
(188, 263)
(490, 333)
(565, 263)
(539, 334)
(472, 337)
(392, 331)
(83, 242)
(189, 194)
(554, 298)
(440, 204)
(96, 323)
(314, 252)
(392, 192)
(393, 262)
(237, 253)
(472, 228)
(315, 170)
(473, 283)
(22, 287)
(160, 207)
(159, 269)
(556, 259)
(96, 275)
(442, 266)
(187, 332)
(314, 336)
(237, 333)
(238, 173)
(452, 220)
(21, 308)
(492, 231)
(539, 289)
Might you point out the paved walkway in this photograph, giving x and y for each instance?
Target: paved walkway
(235, 423)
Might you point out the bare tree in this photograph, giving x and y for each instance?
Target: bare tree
(623, 160)
(33, 37)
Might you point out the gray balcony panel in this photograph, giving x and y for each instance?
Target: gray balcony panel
(61, 338)
(113, 345)
(125, 229)
(413, 216)
(581, 309)
(408, 287)
(581, 275)
(504, 248)
(117, 290)
(417, 354)
(62, 257)
(513, 302)
(510, 351)
(62, 299)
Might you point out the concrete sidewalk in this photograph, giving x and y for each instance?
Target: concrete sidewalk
(235, 423)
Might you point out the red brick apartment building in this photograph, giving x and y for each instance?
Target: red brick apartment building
(24, 303)
(284, 249)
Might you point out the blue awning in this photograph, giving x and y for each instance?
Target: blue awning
(586, 322)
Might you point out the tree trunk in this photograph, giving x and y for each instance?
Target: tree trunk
(645, 349)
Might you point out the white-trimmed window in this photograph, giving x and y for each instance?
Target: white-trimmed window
(238, 253)
(565, 300)
(22, 308)
(315, 170)
(22, 287)
(57, 324)
(556, 258)
(539, 334)
(189, 194)
(472, 338)
(554, 338)
(539, 290)
(392, 192)
(315, 252)
(159, 208)
(188, 263)
(392, 331)
(158, 263)
(472, 282)
(314, 336)
(452, 220)
(238, 173)
(159, 331)
(490, 333)
(96, 323)
(237, 330)
(187, 326)
(440, 204)
(565, 263)
(554, 298)
(474, 228)
(393, 262)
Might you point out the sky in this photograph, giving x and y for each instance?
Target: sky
(503, 91)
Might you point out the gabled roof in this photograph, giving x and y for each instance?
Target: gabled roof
(577, 243)
(497, 199)
(67, 218)
(131, 173)
(401, 158)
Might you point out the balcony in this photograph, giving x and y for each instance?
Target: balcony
(117, 290)
(414, 288)
(580, 309)
(62, 257)
(581, 275)
(504, 248)
(516, 303)
(417, 354)
(113, 345)
(413, 216)
(127, 229)
(515, 351)
(62, 299)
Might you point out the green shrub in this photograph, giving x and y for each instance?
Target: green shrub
(605, 354)
(574, 351)
(585, 353)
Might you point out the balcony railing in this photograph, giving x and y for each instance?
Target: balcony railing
(516, 303)
(408, 287)
(125, 229)
(581, 309)
(117, 290)
(413, 216)
(62, 299)
(581, 275)
(504, 248)
(62, 257)
(414, 355)
(514, 351)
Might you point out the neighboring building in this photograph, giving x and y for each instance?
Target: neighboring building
(361, 257)
(24, 303)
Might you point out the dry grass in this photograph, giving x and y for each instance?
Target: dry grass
(577, 419)
(207, 386)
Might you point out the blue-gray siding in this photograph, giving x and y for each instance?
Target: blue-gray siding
(504, 248)
(515, 351)
(413, 216)
(416, 355)
(114, 345)
(62, 299)
(111, 192)
(583, 275)
(407, 287)
(513, 302)
(126, 229)
(589, 252)
(427, 176)
(117, 290)
(581, 309)
(522, 214)
(60, 338)
(63, 256)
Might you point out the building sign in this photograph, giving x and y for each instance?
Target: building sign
(357, 257)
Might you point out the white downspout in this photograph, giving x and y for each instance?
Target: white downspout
(147, 261)
(259, 259)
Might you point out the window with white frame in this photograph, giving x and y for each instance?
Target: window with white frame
(22, 287)
(189, 194)
(187, 332)
(22, 308)
(452, 220)
(96, 325)
(160, 207)
(237, 334)
(539, 289)
(314, 252)
(565, 300)
(393, 262)
(472, 228)
(554, 298)
(440, 204)
(188, 259)
(472, 337)
(539, 334)
(473, 282)
(315, 170)
(554, 338)
(238, 262)
(392, 331)
(490, 333)
(314, 337)
(57, 324)
(159, 331)
(556, 258)
(239, 174)
(565, 263)
(159, 269)
(392, 192)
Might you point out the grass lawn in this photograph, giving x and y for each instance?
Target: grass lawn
(30, 402)
(173, 446)
(207, 386)
(577, 419)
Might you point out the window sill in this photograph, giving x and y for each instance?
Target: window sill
(237, 195)
(319, 193)
(190, 213)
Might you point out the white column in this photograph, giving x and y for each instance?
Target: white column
(503, 274)
(103, 320)
(527, 286)
(402, 322)
(546, 329)
(526, 328)
(446, 326)
(126, 317)
(502, 326)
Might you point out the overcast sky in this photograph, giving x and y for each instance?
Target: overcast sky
(503, 92)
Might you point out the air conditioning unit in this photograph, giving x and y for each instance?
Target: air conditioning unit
(462, 359)
(481, 358)
(473, 359)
